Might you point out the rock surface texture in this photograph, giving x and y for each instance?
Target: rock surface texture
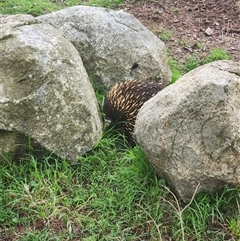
(190, 131)
(45, 92)
(113, 45)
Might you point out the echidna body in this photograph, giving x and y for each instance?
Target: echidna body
(124, 101)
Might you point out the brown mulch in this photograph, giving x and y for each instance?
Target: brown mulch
(186, 23)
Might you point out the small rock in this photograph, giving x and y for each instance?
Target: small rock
(209, 31)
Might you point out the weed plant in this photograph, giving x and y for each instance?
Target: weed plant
(110, 193)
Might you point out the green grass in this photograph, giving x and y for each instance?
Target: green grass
(39, 7)
(110, 193)
(35, 8)
(193, 61)
(165, 35)
(96, 195)
(176, 68)
(217, 54)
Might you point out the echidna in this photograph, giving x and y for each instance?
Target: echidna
(124, 101)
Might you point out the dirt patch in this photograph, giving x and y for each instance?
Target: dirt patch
(191, 27)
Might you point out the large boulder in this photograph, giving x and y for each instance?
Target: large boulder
(45, 93)
(190, 130)
(114, 46)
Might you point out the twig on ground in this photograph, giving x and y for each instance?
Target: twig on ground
(178, 208)
(157, 226)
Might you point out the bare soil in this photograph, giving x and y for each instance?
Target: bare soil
(191, 27)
